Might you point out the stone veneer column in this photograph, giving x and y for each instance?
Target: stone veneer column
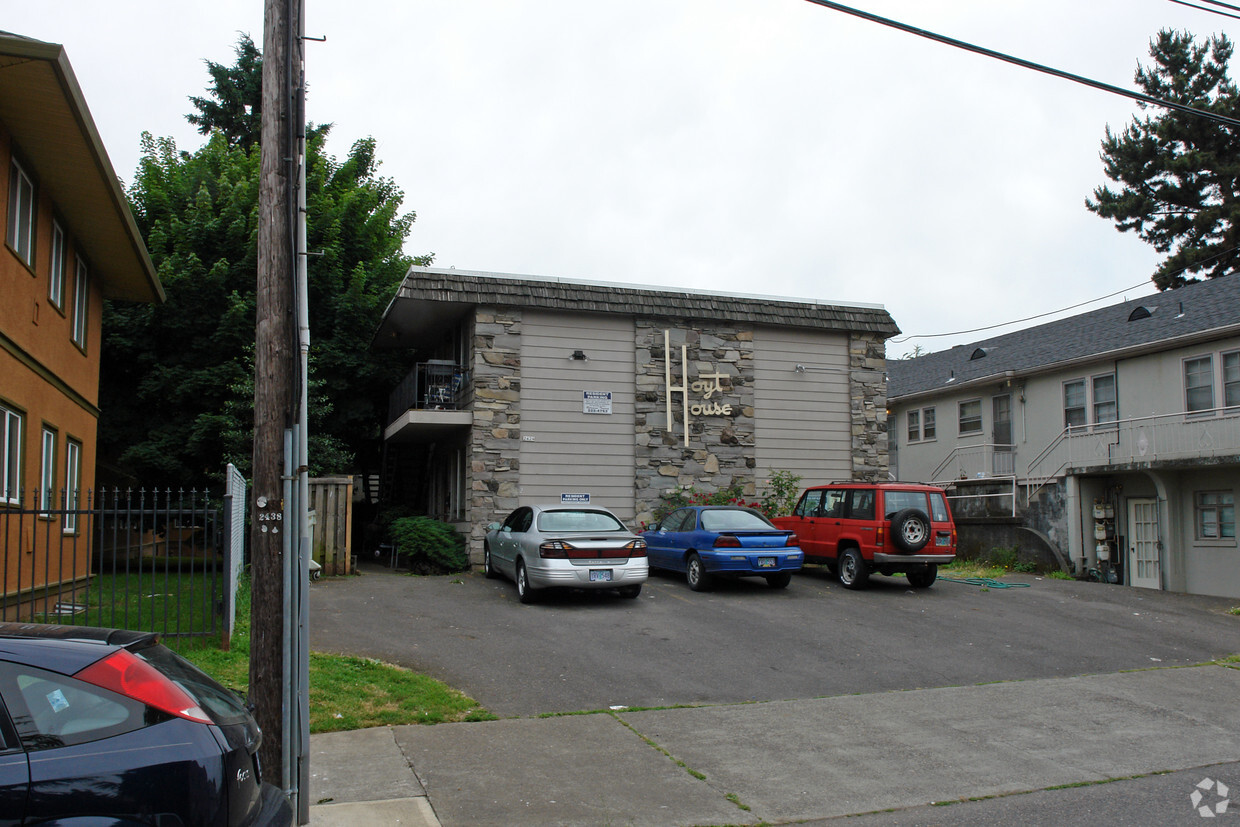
(721, 448)
(495, 440)
(867, 390)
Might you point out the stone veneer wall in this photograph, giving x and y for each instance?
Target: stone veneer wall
(495, 441)
(867, 383)
(721, 447)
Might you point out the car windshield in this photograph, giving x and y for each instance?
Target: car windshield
(732, 520)
(578, 520)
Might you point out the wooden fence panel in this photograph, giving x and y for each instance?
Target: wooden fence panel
(332, 501)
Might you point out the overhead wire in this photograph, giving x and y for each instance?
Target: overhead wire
(1211, 11)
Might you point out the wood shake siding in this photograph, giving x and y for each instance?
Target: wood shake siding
(564, 450)
(804, 424)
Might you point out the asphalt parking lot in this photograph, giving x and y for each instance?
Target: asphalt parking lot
(747, 642)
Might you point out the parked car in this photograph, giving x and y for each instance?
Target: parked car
(100, 726)
(859, 528)
(709, 541)
(579, 546)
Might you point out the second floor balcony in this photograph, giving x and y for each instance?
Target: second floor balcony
(431, 398)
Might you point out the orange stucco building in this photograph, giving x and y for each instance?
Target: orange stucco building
(70, 242)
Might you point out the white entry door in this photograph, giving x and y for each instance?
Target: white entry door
(1143, 544)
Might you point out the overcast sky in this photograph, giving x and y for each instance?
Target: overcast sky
(768, 147)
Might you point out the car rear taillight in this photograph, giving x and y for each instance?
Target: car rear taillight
(126, 674)
(880, 536)
(727, 541)
(792, 541)
(637, 548)
(557, 549)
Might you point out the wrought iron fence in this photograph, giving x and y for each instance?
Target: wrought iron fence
(146, 560)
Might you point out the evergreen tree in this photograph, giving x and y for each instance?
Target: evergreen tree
(1179, 173)
(235, 105)
(177, 387)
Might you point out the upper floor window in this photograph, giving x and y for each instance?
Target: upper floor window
(970, 417)
(921, 425)
(1199, 384)
(56, 273)
(21, 213)
(10, 456)
(1074, 414)
(81, 302)
(1216, 515)
(47, 477)
(1106, 404)
(1231, 379)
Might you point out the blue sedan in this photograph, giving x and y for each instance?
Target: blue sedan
(709, 541)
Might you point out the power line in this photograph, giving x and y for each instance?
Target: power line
(1017, 321)
(1027, 64)
(1211, 11)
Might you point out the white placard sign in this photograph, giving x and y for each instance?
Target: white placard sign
(596, 402)
(574, 499)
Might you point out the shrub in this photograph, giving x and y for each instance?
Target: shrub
(428, 546)
(683, 495)
(782, 491)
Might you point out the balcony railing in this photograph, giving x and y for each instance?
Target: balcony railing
(972, 461)
(1147, 440)
(436, 384)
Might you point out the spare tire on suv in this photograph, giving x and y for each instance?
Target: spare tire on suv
(910, 529)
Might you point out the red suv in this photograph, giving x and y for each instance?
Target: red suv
(857, 528)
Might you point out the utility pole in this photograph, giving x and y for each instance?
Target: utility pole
(275, 546)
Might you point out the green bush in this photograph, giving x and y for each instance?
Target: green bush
(783, 490)
(428, 546)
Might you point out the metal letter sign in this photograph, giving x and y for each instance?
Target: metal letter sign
(707, 385)
(596, 402)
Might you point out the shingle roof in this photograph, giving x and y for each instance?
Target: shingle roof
(1194, 311)
(460, 287)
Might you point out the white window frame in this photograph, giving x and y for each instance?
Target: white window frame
(926, 426)
(1208, 359)
(961, 420)
(47, 471)
(10, 456)
(73, 479)
(1083, 407)
(23, 214)
(56, 271)
(913, 420)
(81, 303)
(1098, 421)
(1231, 386)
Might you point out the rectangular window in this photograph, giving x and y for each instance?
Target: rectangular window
(914, 426)
(971, 417)
(1199, 384)
(927, 427)
(1106, 406)
(73, 478)
(47, 473)
(81, 302)
(1074, 403)
(56, 273)
(21, 213)
(1231, 379)
(1216, 515)
(10, 456)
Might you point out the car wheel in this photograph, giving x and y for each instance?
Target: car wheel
(488, 568)
(922, 578)
(910, 529)
(630, 591)
(851, 569)
(779, 580)
(696, 574)
(524, 593)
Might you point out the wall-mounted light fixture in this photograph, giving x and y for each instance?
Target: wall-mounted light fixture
(579, 355)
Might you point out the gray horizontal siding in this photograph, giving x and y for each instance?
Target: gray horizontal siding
(564, 450)
(803, 419)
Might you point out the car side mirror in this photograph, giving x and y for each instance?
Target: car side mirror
(492, 526)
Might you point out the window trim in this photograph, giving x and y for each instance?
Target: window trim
(11, 455)
(81, 303)
(1097, 422)
(927, 425)
(960, 418)
(1083, 407)
(1208, 358)
(1199, 509)
(1235, 383)
(23, 248)
(56, 266)
(47, 471)
(73, 482)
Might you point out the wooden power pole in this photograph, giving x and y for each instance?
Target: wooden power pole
(275, 379)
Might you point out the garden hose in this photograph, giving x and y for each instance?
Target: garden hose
(985, 582)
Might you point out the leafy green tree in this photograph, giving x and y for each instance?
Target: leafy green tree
(177, 387)
(235, 105)
(1179, 173)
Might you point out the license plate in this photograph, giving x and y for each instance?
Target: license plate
(766, 562)
(600, 575)
(942, 541)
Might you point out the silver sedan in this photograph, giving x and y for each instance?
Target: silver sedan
(575, 546)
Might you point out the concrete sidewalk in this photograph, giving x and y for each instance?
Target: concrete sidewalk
(782, 761)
